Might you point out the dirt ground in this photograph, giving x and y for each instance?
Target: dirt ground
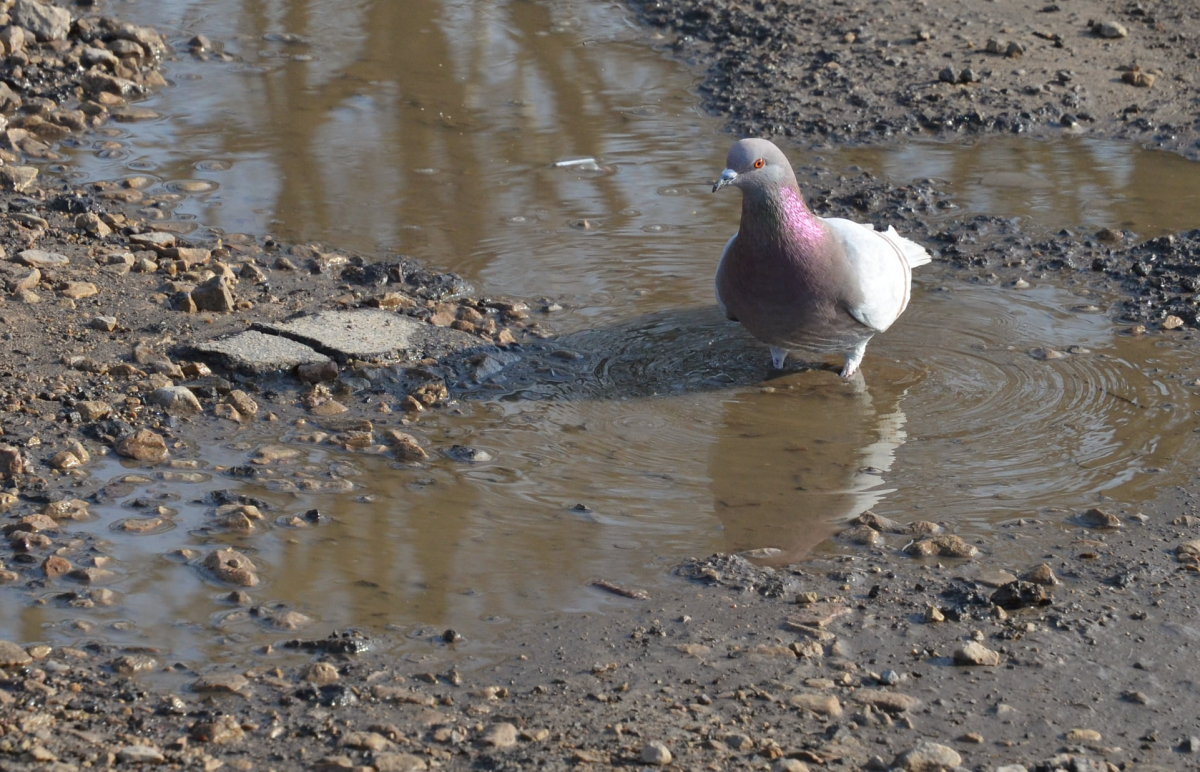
(903, 646)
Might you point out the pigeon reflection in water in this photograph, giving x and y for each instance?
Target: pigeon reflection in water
(790, 467)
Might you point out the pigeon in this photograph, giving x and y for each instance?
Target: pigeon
(800, 282)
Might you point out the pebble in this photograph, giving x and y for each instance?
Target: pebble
(78, 290)
(821, 704)
(656, 753)
(976, 654)
(176, 400)
(223, 730)
(38, 258)
(229, 565)
(144, 445)
(320, 673)
(367, 741)
(1111, 29)
(1042, 574)
(217, 683)
(140, 754)
(500, 735)
(398, 762)
(1097, 518)
(12, 655)
(213, 295)
(887, 701)
(790, 765)
(1083, 736)
(928, 757)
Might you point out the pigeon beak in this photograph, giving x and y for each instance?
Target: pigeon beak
(727, 177)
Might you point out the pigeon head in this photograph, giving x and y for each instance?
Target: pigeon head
(756, 166)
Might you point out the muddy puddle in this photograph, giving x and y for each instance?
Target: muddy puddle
(651, 430)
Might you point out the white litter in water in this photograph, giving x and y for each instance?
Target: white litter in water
(575, 162)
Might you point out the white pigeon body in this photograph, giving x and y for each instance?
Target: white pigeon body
(799, 282)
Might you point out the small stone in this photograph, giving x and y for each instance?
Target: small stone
(790, 765)
(67, 509)
(131, 664)
(242, 402)
(317, 372)
(861, 535)
(103, 323)
(46, 21)
(17, 178)
(176, 400)
(1019, 594)
(93, 410)
(948, 75)
(12, 463)
(1082, 736)
(78, 290)
(1014, 49)
(1172, 322)
(220, 683)
(12, 655)
(229, 565)
(92, 575)
(222, 730)
(144, 445)
(398, 762)
(1041, 574)
(154, 240)
(367, 741)
(976, 654)
(55, 566)
(213, 295)
(140, 754)
(1097, 518)
(405, 447)
(90, 222)
(887, 701)
(500, 735)
(320, 673)
(928, 757)
(934, 615)
(1139, 78)
(816, 702)
(38, 258)
(1111, 30)
(656, 754)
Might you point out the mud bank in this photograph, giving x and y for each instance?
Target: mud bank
(900, 646)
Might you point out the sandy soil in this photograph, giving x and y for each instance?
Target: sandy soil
(870, 657)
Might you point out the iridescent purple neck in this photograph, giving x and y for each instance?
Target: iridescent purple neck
(797, 220)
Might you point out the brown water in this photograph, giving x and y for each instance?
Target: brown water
(651, 434)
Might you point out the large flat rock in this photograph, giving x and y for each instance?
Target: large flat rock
(258, 353)
(370, 335)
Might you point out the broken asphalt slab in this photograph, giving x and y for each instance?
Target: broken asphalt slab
(363, 335)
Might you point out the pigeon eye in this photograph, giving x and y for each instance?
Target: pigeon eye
(758, 164)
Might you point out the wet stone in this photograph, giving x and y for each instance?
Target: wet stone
(320, 673)
(1041, 574)
(12, 655)
(131, 664)
(1097, 518)
(227, 683)
(46, 22)
(231, 566)
(140, 754)
(12, 463)
(144, 445)
(223, 730)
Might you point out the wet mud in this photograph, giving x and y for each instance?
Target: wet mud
(1048, 630)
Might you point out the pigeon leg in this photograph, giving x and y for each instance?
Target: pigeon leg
(854, 359)
(778, 355)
